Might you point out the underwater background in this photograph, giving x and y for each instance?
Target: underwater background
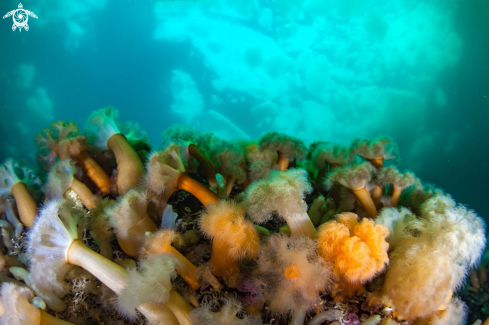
(318, 70)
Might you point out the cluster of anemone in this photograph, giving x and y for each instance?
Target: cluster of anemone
(281, 231)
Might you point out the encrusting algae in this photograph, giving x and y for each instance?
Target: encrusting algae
(209, 231)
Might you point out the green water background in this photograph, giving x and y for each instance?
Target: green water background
(330, 71)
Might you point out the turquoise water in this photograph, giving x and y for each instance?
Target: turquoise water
(415, 70)
(319, 70)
